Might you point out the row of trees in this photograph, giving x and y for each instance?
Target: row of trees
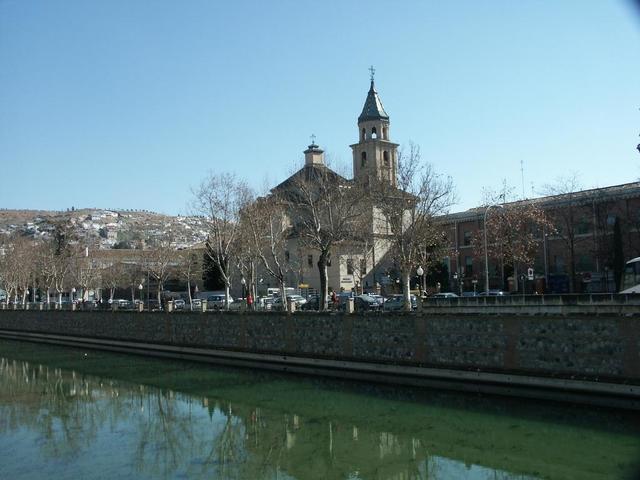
(61, 264)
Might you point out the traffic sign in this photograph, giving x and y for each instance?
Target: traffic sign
(530, 273)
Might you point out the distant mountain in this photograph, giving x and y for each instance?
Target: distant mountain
(107, 228)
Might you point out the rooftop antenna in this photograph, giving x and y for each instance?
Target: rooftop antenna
(522, 174)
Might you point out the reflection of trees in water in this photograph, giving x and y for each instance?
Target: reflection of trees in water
(168, 434)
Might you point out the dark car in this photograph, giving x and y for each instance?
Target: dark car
(365, 303)
(493, 293)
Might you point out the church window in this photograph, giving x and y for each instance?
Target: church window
(363, 159)
(374, 133)
(385, 133)
(385, 158)
(349, 266)
(362, 135)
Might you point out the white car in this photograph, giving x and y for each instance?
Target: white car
(216, 302)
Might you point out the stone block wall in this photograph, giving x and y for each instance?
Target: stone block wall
(603, 347)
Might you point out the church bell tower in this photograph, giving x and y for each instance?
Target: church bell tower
(374, 156)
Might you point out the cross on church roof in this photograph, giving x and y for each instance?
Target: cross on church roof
(373, 72)
(313, 139)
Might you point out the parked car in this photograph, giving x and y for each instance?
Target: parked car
(196, 303)
(299, 301)
(366, 303)
(217, 302)
(377, 298)
(445, 295)
(469, 294)
(493, 293)
(122, 303)
(395, 303)
(179, 304)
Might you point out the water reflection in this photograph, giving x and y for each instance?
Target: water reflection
(155, 419)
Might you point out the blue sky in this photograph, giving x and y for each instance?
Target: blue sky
(125, 104)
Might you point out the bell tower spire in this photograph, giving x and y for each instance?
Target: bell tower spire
(374, 156)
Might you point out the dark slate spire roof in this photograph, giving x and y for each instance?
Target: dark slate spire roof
(373, 109)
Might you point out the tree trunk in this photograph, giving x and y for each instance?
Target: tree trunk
(283, 293)
(406, 292)
(159, 295)
(226, 296)
(324, 290)
(189, 293)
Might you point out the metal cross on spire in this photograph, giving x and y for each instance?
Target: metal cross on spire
(373, 72)
(313, 139)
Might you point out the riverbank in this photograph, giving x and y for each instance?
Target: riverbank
(584, 359)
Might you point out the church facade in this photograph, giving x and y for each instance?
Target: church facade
(353, 266)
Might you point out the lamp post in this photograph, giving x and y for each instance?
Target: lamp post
(140, 288)
(486, 254)
(243, 282)
(420, 273)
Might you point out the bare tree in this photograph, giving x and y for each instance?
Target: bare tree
(161, 262)
(514, 233)
(408, 212)
(84, 270)
(189, 269)
(220, 198)
(565, 217)
(326, 210)
(113, 276)
(132, 275)
(267, 228)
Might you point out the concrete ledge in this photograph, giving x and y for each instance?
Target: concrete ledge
(611, 395)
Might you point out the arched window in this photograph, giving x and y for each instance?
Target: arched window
(385, 133)
(363, 159)
(362, 135)
(374, 133)
(385, 158)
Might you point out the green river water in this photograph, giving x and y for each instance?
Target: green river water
(83, 414)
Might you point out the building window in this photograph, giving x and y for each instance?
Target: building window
(349, 266)
(385, 158)
(611, 219)
(466, 238)
(374, 133)
(286, 255)
(363, 159)
(583, 227)
(468, 266)
(362, 135)
(363, 267)
(385, 133)
(310, 260)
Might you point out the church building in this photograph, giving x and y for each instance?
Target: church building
(352, 265)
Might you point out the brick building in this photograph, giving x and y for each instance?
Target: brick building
(583, 219)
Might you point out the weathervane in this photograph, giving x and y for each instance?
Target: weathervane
(373, 72)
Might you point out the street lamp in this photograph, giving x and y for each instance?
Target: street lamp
(73, 294)
(140, 288)
(243, 282)
(486, 254)
(420, 273)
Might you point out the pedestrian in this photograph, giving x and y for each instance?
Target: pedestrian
(250, 300)
(334, 300)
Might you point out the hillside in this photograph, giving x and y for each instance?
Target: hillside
(106, 228)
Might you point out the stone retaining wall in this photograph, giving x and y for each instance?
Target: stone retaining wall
(593, 347)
